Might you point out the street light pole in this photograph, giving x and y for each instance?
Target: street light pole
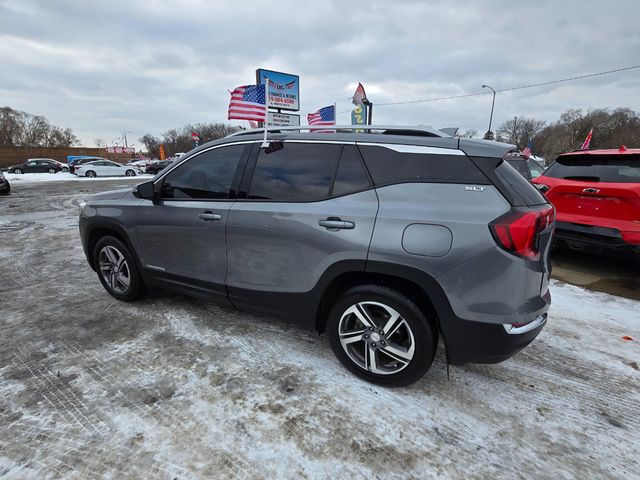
(489, 134)
(124, 134)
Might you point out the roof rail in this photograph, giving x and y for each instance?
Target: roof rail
(388, 129)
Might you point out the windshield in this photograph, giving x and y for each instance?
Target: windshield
(597, 168)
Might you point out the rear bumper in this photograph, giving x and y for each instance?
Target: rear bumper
(478, 342)
(594, 236)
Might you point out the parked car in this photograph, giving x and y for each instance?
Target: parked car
(63, 166)
(526, 167)
(36, 165)
(82, 160)
(382, 240)
(5, 187)
(106, 168)
(155, 167)
(596, 194)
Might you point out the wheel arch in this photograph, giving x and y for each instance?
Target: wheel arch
(419, 286)
(98, 230)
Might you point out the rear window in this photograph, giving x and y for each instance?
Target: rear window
(597, 168)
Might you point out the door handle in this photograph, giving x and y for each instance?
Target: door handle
(209, 216)
(335, 223)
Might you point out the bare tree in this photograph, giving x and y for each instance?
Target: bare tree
(30, 131)
(99, 142)
(519, 131)
(471, 133)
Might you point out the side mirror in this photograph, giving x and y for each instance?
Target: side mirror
(145, 190)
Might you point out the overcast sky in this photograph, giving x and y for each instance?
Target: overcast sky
(102, 68)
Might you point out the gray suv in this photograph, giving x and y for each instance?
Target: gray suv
(384, 239)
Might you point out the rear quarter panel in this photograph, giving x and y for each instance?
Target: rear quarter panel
(481, 281)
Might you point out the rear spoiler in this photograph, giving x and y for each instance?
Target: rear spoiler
(450, 131)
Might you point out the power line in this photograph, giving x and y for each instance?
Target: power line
(521, 87)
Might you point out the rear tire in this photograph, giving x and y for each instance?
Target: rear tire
(117, 269)
(394, 353)
(90, 174)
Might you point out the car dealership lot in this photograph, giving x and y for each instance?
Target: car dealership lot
(172, 387)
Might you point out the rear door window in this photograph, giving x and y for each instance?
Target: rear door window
(597, 168)
(351, 176)
(294, 172)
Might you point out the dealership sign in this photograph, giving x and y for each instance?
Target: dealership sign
(283, 88)
(283, 120)
(120, 150)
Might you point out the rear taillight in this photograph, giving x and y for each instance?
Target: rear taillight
(518, 231)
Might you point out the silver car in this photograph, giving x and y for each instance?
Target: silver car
(383, 239)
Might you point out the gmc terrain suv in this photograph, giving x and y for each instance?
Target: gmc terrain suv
(383, 239)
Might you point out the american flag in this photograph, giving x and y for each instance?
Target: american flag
(587, 141)
(526, 153)
(248, 103)
(324, 116)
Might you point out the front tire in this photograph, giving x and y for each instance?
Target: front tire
(18, 171)
(90, 174)
(52, 170)
(380, 335)
(130, 173)
(117, 269)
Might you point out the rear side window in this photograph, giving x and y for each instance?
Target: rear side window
(388, 166)
(294, 172)
(597, 168)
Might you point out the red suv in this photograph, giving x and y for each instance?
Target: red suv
(597, 198)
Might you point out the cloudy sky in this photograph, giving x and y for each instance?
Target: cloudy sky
(102, 68)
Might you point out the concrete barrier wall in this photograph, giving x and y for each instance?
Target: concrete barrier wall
(15, 155)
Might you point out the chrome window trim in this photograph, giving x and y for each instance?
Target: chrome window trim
(404, 148)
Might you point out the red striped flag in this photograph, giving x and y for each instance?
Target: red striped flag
(248, 103)
(587, 141)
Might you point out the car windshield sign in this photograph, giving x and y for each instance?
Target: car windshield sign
(597, 168)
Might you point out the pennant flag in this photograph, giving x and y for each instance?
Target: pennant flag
(248, 102)
(526, 153)
(587, 141)
(360, 96)
(324, 116)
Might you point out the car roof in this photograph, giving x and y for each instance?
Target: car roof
(375, 134)
(607, 151)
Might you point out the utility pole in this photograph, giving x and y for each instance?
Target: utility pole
(513, 135)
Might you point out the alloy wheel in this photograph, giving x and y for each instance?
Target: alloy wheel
(114, 269)
(376, 338)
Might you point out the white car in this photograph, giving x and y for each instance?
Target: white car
(106, 168)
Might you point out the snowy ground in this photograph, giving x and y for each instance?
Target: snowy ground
(27, 178)
(171, 387)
